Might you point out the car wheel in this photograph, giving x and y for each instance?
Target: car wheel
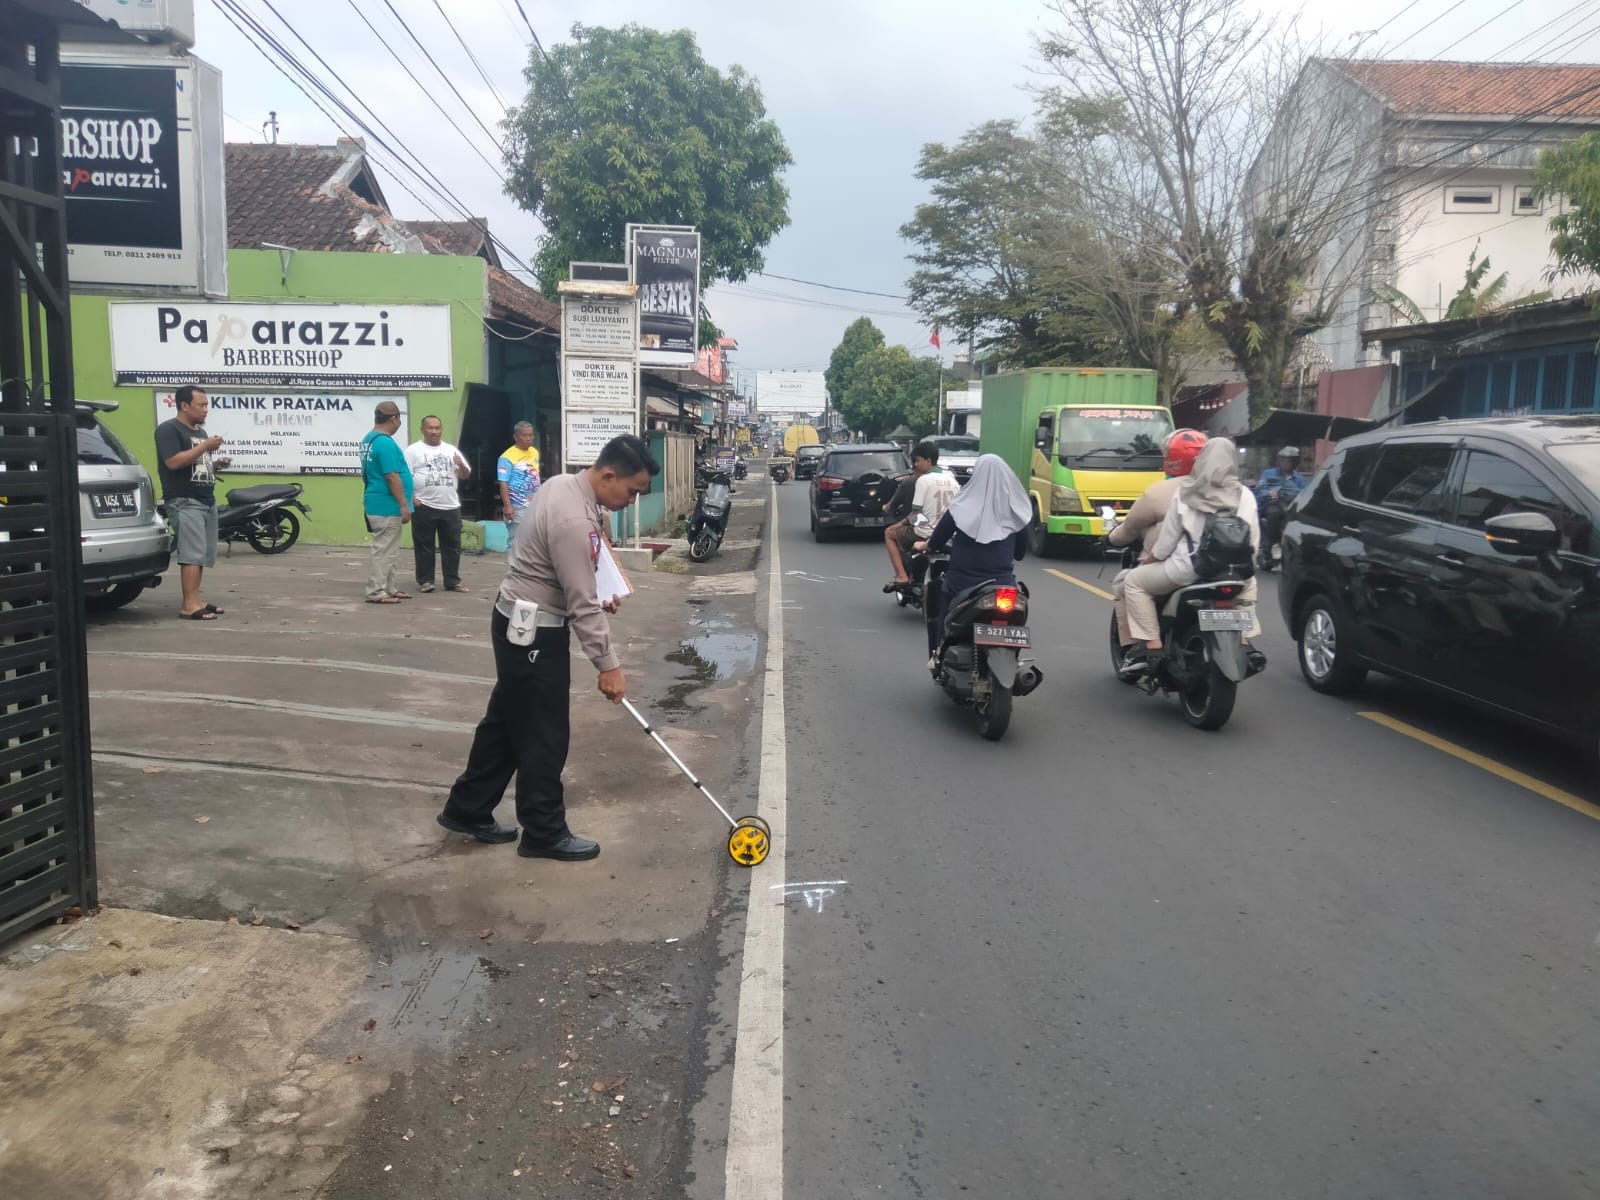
(820, 533)
(1324, 649)
(113, 597)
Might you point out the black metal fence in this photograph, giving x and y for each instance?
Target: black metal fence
(46, 812)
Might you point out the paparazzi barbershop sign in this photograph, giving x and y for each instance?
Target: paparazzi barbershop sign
(403, 347)
(289, 433)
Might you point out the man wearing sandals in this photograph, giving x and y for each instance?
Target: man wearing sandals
(436, 466)
(188, 463)
(386, 500)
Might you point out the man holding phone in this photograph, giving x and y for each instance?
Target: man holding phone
(188, 460)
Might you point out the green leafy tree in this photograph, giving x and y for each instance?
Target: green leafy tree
(1572, 170)
(632, 125)
(860, 339)
(889, 388)
(1476, 298)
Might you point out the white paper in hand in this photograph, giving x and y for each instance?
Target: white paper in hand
(609, 581)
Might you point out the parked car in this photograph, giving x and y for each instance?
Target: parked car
(958, 453)
(1459, 554)
(853, 484)
(807, 459)
(126, 545)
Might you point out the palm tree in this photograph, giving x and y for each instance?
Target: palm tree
(1475, 299)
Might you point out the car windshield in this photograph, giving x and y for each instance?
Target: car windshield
(99, 447)
(956, 445)
(1582, 459)
(1114, 439)
(885, 462)
(811, 452)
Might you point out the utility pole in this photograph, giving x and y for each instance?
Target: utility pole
(270, 127)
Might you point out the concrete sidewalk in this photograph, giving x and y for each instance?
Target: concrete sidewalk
(300, 983)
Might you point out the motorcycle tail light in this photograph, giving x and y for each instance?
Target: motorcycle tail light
(1005, 599)
(829, 484)
(1228, 590)
(1223, 604)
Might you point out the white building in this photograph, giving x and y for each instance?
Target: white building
(1449, 153)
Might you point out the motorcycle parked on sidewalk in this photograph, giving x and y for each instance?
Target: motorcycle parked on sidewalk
(261, 515)
(709, 522)
(1204, 654)
(982, 661)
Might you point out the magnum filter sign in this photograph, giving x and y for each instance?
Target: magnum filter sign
(141, 169)
(666, 266)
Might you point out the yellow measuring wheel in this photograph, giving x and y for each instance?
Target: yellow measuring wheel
(750, 839)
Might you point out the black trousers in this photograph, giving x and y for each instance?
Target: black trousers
(445, 525)
(524, 733)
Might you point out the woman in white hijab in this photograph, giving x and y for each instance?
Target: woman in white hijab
(1212, 486)
(986, 529)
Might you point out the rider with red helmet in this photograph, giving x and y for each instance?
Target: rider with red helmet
(1149, 510)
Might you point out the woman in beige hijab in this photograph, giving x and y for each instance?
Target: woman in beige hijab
(1212, 486)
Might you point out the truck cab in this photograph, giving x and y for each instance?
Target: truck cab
(1080, 439)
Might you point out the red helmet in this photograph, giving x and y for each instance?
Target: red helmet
(1183, 447)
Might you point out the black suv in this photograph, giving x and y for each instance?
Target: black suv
(807, 459)
(853, 484)
(1461, 554)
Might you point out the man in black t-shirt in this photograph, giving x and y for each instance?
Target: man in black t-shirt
(188, 462)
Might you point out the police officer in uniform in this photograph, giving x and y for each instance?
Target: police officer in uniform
(525, 730)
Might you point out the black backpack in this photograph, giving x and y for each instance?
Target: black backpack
(1224, 551)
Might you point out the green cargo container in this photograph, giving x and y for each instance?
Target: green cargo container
(1079, 438)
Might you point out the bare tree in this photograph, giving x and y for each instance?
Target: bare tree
(1232, 158)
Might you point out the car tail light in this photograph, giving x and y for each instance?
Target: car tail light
(829, 483)
(1005, 599)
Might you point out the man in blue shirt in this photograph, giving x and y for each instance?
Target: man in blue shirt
(386, 501)
(1277, 487)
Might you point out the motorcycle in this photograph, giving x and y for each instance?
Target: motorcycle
(1273, 514)
(982, 660)
(261, 516)
(710, 520)
(778, 469)
(913, 592)
(1205, 657)
(740, 471)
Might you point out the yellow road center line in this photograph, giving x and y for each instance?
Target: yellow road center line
(1548, 791)
(1073, 579)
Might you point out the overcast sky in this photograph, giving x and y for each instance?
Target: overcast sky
(857, 88)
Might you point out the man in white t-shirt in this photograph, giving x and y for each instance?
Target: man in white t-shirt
(436, 467)
(935, 489)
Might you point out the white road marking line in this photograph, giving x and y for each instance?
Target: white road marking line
(755, 1123)
(334, 664)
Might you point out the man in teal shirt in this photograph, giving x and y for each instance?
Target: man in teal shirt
(386, 501)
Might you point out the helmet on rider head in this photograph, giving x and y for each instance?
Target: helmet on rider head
(1182, 448)
(1290, 452)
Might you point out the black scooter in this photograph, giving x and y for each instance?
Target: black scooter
(261, 516)
(1273, 515)
(982, 659)
(710, 520)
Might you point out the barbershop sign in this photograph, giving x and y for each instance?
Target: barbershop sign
(404, 347)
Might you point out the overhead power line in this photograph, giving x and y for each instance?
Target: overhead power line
(482, 74)
(494, 139)
(832, 287)
(1515, 4)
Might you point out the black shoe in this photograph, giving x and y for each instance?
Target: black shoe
(571, 848)
(493, 832)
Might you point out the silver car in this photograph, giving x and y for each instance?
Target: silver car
(126, 545)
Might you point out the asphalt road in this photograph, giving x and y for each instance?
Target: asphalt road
(1111, 956)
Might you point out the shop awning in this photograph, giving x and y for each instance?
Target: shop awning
(1286, 427)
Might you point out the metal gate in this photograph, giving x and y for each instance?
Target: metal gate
(46, 810)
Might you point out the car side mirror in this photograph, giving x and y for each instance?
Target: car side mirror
(1041, 437)
(1522, 533)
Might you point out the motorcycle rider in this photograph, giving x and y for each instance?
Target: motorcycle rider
(1278, 486)
(1211, 486)
(1143, 520)
(933, 492)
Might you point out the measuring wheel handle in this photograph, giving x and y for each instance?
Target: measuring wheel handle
(749, 841)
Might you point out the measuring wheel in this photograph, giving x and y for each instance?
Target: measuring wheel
(749, 841)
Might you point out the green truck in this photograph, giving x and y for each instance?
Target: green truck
(1079, 438)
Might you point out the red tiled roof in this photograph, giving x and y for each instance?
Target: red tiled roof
(1481, 89)
(514, 301)
(464, 238)
(286, 195)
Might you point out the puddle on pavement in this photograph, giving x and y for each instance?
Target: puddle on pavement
(712, 657)
(424, 995)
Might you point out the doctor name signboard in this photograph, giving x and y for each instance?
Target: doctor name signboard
(398, 346)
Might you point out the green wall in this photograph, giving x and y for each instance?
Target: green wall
(357, 278)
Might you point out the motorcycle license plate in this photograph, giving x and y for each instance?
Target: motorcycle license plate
(1225, 618)
(866, 522)
(1013, 636)
(113, 504)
